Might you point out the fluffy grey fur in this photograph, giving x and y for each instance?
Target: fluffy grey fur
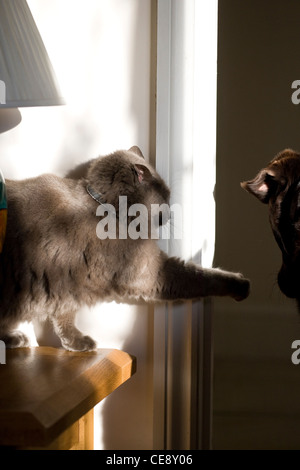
(53, 262)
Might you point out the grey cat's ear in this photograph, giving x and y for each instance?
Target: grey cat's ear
(143, 173)
(135, 149)
(263, 186)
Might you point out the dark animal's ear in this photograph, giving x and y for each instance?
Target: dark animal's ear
(135, 149)
(263, 186)
(143, 174)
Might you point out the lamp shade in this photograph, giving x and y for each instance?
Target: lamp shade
(26, 73)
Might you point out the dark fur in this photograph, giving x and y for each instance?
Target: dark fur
(53, 262)
(278, 185)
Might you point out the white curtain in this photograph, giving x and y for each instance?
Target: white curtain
(185, 157)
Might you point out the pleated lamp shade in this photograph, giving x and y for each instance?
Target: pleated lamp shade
(26, 73)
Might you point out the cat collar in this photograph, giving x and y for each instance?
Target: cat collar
(98, 197)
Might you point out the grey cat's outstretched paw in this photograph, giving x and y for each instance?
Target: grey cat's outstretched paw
(15, 339)
(241, 288)
(80, 343)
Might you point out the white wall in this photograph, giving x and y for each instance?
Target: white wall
(100, 50)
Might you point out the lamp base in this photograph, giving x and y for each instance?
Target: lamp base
(9, 118)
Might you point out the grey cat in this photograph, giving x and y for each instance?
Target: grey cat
(53, 262)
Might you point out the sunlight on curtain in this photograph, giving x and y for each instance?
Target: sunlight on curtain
(204, 126)
(185, 157)
(186, 122)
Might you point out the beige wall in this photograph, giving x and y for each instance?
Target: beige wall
(259, 43)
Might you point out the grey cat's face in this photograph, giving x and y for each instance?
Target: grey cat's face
(126, 173)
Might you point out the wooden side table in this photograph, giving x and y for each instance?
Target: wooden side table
(47, 395)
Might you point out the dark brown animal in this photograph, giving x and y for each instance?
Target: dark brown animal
(278, 185)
